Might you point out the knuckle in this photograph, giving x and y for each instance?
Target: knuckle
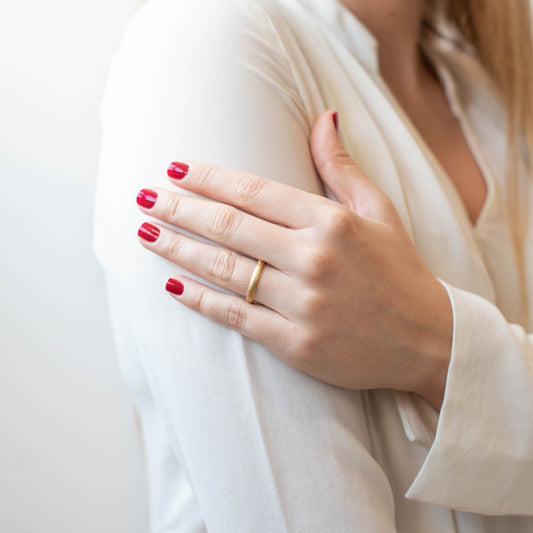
(339, 222)
(312, 303)
(319, 262)
(310, 344)
(307, 345)
(337, 161)
(198, 302)
(249, 188)
(234, 315)
(206, 177)
(174, 248)
(224, 222)
(222, 268)
(173, 207)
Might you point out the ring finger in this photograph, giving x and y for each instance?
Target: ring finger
(219, 265)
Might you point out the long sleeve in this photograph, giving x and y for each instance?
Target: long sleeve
(264, 447)
(482, 457)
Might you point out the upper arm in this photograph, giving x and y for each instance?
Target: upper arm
(209, 80)
(203, 80)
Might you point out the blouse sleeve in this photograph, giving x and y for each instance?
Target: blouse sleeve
(265, 448)
(481, 459)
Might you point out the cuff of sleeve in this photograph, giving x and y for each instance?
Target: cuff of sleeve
(481, 459)
(419, 419)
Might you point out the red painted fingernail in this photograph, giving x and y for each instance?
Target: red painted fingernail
(174, 286)
(336, 120)
(177, 170)
(146, 198)
(148, 232)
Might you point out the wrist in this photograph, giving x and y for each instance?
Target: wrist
(431, 349)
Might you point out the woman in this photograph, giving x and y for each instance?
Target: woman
(236, 438)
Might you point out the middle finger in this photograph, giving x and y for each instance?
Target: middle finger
(226, 225)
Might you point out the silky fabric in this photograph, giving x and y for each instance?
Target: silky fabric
(236, 440)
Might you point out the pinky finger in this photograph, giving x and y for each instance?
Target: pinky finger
(254, 321)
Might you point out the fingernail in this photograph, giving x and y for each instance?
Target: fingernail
(177, 170)
(148, 232)
(174, 286)
(146, 198)
(336, 120)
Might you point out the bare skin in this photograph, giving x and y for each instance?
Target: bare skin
(396, 25)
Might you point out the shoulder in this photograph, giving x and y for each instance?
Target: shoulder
(202, 34)
(205, 48)
(209, 19)
(206, 56)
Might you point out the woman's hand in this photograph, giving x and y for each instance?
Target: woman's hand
(344, 296)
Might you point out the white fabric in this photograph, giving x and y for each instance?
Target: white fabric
(237, 440)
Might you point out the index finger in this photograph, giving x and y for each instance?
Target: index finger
(267, 199)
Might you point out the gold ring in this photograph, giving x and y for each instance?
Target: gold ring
(254, 280)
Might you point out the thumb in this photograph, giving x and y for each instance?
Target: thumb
(342, 175)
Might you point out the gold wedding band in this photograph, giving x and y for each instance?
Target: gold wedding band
(254, 280)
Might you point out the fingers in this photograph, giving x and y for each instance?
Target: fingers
(342, 175)
(267, 199)
(251, 320)
(222, 223)
(221, 266)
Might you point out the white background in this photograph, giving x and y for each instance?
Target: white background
(70, 453)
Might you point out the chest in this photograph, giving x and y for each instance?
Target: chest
(444, 136)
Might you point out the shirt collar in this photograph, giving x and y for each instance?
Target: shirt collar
(363, 44)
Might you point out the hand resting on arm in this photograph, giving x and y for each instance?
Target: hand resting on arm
(344, 296)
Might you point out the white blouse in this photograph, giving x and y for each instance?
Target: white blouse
(236, 440)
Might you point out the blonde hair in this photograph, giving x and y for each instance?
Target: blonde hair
(501, 34)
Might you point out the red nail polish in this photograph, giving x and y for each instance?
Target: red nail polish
(146, 198)
(174, 286)
(177, 170)
(336, 120)
(148, 232)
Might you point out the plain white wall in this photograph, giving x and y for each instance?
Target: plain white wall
(70, 453)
